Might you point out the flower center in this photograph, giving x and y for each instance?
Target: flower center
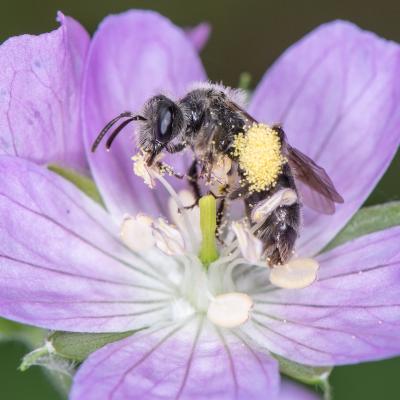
(205, 281)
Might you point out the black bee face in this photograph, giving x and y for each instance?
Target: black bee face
(164, 121)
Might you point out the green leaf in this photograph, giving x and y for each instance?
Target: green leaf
(81, 182)
(78, 346)
(304, 373)
(368, 220)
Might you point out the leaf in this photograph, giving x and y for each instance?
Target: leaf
(368, 220)
(81, 182)
(304, 373)
(78, 346)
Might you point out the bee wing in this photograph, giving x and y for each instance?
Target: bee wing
(316, 188)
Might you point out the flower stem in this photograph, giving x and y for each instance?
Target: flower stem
(208, 225)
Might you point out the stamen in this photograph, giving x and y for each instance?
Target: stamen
(284, 197)
(136, 232)
(140, 168)
(181, 208)
(296, 274)
(230, 310)
(149, 174)
(250, 246)
(168, 239)
(259, 155)
(193, 215)
(208, 224)
(220, 170)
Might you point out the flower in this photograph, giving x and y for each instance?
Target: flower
(66, 263)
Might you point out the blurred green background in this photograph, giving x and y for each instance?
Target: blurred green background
(247, 36)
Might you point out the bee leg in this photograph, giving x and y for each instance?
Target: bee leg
(193, 177)
(162, 166)
(279, 130)
(280, 228)
(279, 233)
(175, 148)
(220, 216)
(240, 192)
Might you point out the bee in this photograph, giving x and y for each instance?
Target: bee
(258, 162)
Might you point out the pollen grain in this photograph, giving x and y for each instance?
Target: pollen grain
(259, 155)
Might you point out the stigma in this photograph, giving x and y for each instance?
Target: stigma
(259, 155)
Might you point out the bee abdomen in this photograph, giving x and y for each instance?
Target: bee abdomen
(279, 233)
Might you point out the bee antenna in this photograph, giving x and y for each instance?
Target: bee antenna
(126, 114)
(116, 131)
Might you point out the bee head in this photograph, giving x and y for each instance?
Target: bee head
(164, 121)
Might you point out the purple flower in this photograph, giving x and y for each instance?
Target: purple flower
(68, 264)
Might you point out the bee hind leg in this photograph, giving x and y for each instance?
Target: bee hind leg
(279, 233)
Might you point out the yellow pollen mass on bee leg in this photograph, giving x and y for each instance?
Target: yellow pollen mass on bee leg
(259, 155)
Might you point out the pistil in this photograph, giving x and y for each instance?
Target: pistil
(208, 224)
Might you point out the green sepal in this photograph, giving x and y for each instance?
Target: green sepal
(368, 220)
(304, 373)
(78, 346)
(85, 184)
(30, 335)
(58, 370)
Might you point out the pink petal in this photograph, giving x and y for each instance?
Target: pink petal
(337, 93)
(350, 315)
(294, 391)
(199, 35)
(133, 56)
(40, 78)
(192, 360)
(62, 265)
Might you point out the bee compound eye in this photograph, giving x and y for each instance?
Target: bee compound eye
(165, 124)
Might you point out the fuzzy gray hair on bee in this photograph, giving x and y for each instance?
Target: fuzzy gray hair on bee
(260, 166)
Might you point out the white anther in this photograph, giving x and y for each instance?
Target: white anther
(140, 168)
(250, 246)
(230, 309)
(284, 197)
(136, 232)
(168, 239)
(296, 274)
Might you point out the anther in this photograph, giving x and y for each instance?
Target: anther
(167, 238)
(296, 274)
(230, 310)
(136, 232)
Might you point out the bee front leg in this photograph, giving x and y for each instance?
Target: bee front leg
(175, 148)
(220, 216)
(193, 177)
